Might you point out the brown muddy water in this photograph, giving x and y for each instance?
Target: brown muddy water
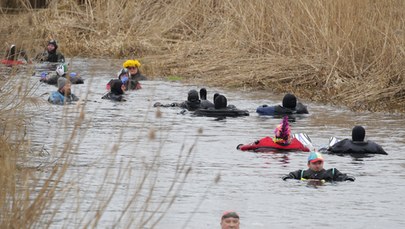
(249, 183)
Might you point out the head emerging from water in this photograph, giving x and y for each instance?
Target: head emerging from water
(52, 46)
(220, 102)
(289, 101)
(192, 96)
(203, 94)
(315, 161)
(117, 87)
(230, 220)
(358, 134)
(64, 86)
(132, 66)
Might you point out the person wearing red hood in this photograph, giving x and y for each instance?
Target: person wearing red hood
(316, 171)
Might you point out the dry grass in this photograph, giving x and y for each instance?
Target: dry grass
(31, 194)
(343, 52)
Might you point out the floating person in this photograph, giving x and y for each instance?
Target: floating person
(13, 55)
(192, 103)
(283, 141)
(230, 220)
(64, 94)
(132, 72)
(356, 146)
(221, 109)
(51, 54)
(203, 97)
(316, 171)
(61, 71)
(290, 106)
(116, 92)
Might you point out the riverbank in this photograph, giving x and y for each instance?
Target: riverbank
(342, 53)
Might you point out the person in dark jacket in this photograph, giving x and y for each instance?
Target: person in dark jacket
(64, 94)
(116, 92)
(51, 54)
(356, 145)
(290, 106)
(203, 97)
(193, 102)
(316, 171)
(221, 109)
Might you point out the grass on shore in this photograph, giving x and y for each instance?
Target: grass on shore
(343, 52)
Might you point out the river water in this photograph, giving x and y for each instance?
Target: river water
(115, 151)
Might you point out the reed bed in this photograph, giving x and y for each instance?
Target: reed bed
(343, 52)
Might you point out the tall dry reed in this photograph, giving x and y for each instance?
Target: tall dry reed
(343, 52)
(32, 194)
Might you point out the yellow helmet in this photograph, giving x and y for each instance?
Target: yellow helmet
(131, 63)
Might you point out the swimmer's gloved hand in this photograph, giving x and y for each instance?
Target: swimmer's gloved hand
(285, 177)
(350, 178)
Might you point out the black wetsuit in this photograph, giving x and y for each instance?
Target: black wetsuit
(53, 56)
(222, 112)
(191, 105)
(327, 175)
(206, 103)
(347, 146)
(113, 97)
(280, 110)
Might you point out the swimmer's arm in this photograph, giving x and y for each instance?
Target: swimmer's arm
(293, 175)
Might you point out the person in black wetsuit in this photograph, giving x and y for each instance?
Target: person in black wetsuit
(357, 145)
(51, 54)
(316, 171)
(116, 91)
(192, 103)
(290, 106)
(203, 97)
(221, 109)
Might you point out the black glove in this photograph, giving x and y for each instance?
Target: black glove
(350, 178)
(286, 177)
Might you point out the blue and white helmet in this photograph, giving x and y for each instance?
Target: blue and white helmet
(122, 72)
(61, 69)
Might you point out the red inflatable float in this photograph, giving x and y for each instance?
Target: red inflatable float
(12, 62)
(267, 144)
